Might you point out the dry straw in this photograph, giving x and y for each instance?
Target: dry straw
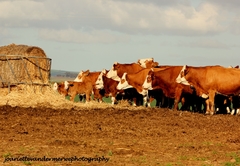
(22, 64)
(30, 96)
(48, 98)
(27, 69)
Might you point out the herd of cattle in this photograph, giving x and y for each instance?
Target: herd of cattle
(208, 89)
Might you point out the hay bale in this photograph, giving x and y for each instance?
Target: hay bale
(22, 64)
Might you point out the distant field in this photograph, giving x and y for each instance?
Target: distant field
(60, 75)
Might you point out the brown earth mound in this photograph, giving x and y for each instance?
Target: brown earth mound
(117, 136)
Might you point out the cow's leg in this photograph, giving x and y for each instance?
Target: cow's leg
(134, 101)
(207, 106)
(88, 95)
(72, 96)
(210, 103)
(145, 101)
(113, 99)
(178, 94)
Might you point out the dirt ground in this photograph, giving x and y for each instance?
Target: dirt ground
(113, 136)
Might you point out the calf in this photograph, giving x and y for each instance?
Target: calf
(73, 88)
(87, 76)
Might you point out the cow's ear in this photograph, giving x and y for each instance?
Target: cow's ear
(87, 72)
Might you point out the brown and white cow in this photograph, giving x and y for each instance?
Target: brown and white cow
(137, 80)
(211, 80)
(117, 70)
(166, 80)
(109, 86)
(147, 63)
(87, 76)
(72, 89)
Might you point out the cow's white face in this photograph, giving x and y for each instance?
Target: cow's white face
(181, 79)
(123, 84)
(147, 85)
(79, 77)
(113, 75)
(99, 84)
(142, 62)
(66, 85)
(55, 86)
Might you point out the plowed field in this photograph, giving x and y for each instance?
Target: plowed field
(114, 136)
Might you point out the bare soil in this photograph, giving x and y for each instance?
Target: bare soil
(144, 136)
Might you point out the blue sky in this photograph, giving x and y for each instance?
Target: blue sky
(93, 34)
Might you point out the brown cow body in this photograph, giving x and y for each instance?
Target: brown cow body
(72, 89)
(212, 80)
(87, 76)
(118, 69)
(109, 86)
(75, 88)
(166, 80)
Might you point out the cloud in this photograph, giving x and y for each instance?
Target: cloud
(76, 36)
(131, 17)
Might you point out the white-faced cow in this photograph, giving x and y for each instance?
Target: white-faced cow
(166, 81)
(211, 80)
(147, 63)
(109, 86)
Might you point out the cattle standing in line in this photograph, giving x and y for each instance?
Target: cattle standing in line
(211, 80)
(166, 80)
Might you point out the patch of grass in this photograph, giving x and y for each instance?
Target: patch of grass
(215, 152)
(207, 143)
(171, 164)
(22, 149)
(140, 159)
(183, 158)
(110, 153)
(7, 155)
(200, 158)
(27, 163)
(235, 161)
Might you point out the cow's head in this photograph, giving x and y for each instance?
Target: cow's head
(147, 85)
(113, 72)
(123, 83)
(81, 75)
(55, 86)
(60, 88)
(147, 63)
(66, 85)
(182, 76)
(99, 84)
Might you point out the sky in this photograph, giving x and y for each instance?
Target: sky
(93, 34)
